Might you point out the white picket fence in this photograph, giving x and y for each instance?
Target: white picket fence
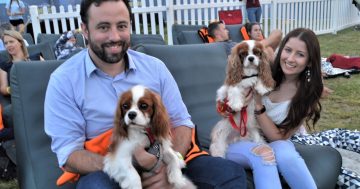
(156, 17)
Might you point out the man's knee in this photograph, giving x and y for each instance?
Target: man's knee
(215, 172)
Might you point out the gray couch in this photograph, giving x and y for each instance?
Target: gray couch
(188, 34)
(198, 69)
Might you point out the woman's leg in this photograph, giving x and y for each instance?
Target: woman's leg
(292, 166)
(260, 158)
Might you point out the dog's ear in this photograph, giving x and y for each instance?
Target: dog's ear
(234, 66)
(120, 128)
(160, 122)
(265, 71)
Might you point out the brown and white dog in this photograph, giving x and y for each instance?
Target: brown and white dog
(248, 67)
(141, 113)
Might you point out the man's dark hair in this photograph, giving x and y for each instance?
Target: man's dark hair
(213, 26)
(85, 5)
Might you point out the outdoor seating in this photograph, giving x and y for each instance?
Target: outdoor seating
(197, 79)
(188, 34)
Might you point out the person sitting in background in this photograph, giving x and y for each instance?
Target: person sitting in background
(17, 51)
(66, 46)
(218, 31)
(254, 32)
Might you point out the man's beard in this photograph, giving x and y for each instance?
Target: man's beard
(108, 57)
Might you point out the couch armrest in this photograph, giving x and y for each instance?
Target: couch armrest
(37, 165)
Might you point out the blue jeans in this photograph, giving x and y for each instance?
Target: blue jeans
(206, 172)
(265, 171)
(254, 14)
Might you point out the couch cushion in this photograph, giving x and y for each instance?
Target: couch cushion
(37, 164)
(198, 76)
(234, 32)
(137, 39)
(44, 49)
(189, 37)
(178, 28)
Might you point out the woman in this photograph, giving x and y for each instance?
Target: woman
(294, 102)
(15, 9)
(254, 32)
(17, 51)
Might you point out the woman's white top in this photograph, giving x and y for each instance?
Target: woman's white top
(15, 8)
(277, 111)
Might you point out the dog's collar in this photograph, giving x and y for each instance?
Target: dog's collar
(245, 77)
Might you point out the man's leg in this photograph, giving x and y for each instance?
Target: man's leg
(97, 180)
(208, 172)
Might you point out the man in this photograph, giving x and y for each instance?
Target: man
(83, 92)
(218, 31)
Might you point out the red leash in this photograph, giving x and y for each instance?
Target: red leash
(243, 117)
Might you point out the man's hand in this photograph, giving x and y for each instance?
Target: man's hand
(157, 179)
(144, 159)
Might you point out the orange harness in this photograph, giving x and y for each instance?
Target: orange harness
(100, 146)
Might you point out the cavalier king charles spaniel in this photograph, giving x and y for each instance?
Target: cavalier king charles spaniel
(248, 67)
(141, 119)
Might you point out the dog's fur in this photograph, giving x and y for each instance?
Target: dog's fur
(246, 59)
(138, 109)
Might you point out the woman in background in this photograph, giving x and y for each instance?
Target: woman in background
(15, 9)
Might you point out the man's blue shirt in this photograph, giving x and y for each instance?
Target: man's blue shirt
(81, 99)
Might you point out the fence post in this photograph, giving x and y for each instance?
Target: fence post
(334, 17)
(273, 15)
(169, 20)
(34, 16)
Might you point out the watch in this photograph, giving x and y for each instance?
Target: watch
(262, 110)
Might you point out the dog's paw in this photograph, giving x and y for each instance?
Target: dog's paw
(261, 89)
(131, 183)
(176, 178)
(217, 151)
(236, 104)
(221, 94)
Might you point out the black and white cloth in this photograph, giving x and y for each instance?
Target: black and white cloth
(64, 48)
(336, 138)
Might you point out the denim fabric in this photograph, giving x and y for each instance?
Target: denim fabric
(254, 14)
(206, 172)
(209, 172)
(288, 162)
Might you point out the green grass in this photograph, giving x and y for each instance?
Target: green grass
(341, 108)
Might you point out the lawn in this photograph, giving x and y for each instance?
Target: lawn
(341, 108)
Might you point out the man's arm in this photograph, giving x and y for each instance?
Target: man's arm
(181, 139)
(83, 162)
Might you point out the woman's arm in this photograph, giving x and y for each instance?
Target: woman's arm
(4, 84)
(270, 130)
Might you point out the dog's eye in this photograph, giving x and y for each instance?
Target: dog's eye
(143, 106)
(257, 52)
(125, 106)
(243, 54)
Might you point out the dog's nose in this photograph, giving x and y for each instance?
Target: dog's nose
(132, 115)
(251, 58)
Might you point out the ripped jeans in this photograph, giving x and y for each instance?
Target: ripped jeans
(266, 160)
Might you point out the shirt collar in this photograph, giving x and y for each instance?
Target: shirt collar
(90, 65)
